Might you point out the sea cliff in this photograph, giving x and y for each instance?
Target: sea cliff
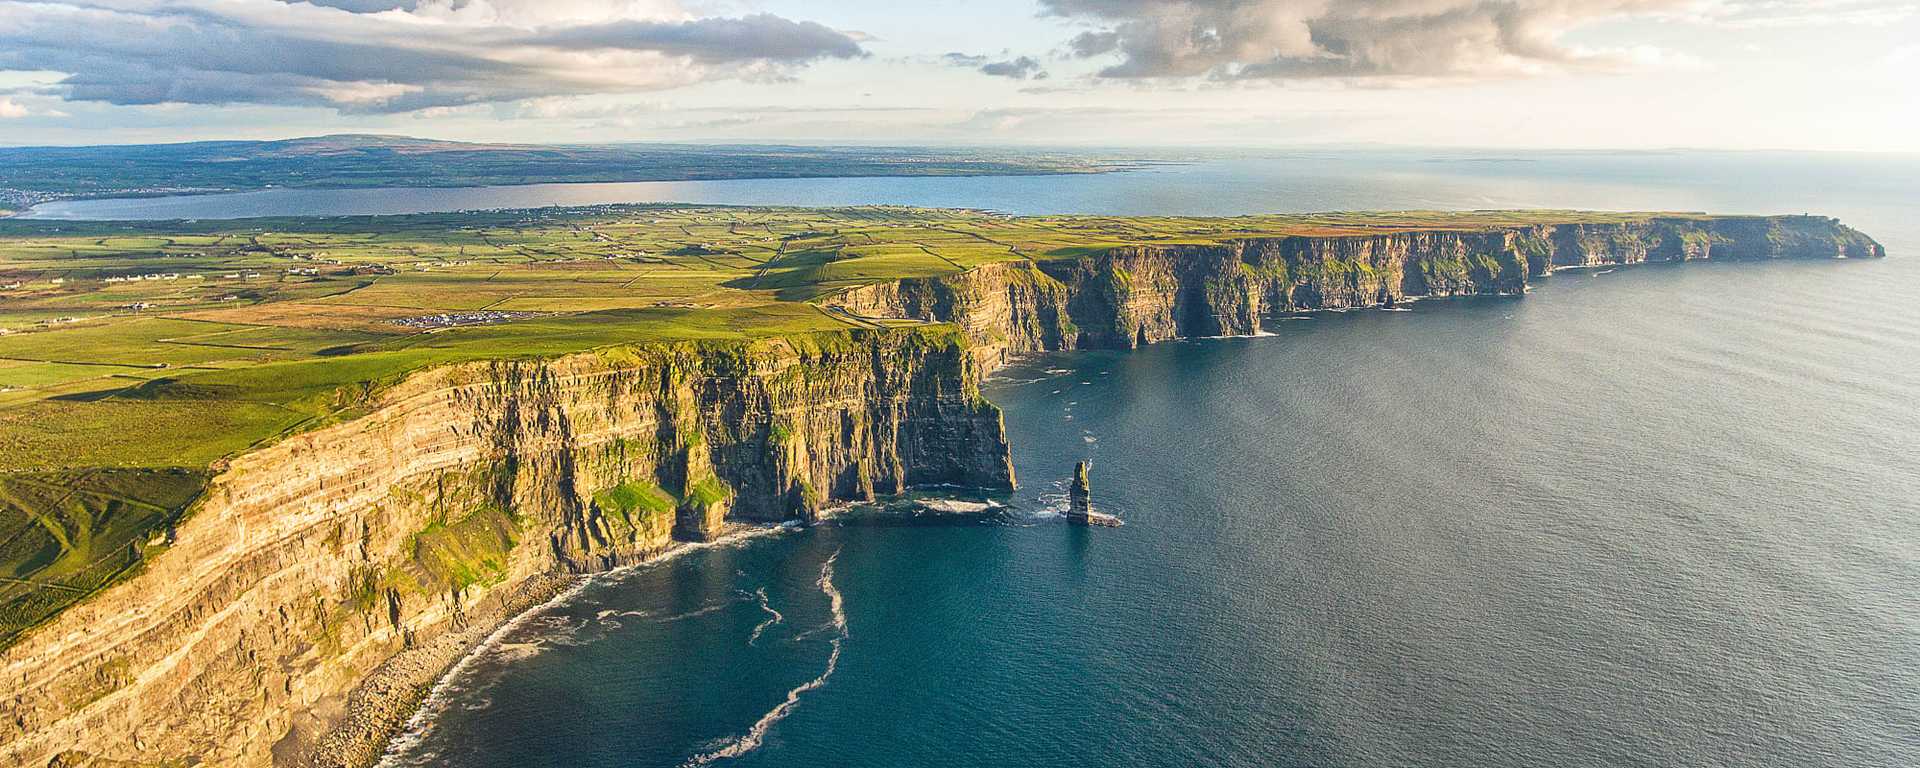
(321, 583)
(1123, 297)
(458, 499)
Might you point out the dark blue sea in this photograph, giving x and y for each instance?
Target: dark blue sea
(1664, 516)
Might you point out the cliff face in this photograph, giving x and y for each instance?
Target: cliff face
(1136, 295)
(1005, 309)
(311, 562)
(385, 543)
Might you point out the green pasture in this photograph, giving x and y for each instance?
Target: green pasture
(119, 397)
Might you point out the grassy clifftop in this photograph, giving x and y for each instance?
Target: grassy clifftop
(172, 344)
(136, 357)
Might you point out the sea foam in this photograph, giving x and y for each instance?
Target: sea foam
(752, 739)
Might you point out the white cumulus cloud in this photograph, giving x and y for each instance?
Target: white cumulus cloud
(1301, 39)
(393, 56)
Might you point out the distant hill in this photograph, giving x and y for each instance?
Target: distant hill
(36, 174)
(352, 143)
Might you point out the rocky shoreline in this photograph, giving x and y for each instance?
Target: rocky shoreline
(382, 707)
(379, 708)
(326, 581)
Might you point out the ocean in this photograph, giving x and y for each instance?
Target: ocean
(1657, 516)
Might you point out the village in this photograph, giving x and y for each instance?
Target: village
(457, 319)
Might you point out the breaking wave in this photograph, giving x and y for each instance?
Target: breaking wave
(774, 618)
(751, 740)
(466, 675)
(459, 679)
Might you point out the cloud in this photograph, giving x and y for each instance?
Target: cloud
(761, 37)
(13, 109)
(1020, 68)
(1805, 13)
(574, 108)
(1017, 68)
(1301, 39)
(383, 56)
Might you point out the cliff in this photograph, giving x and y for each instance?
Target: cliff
(1006, 309)
(320, 584)
(310, 563)
(1123, 297)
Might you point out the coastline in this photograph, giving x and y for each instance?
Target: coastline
(394, 700)
(369, 712)
(26, 213)
(379, 707)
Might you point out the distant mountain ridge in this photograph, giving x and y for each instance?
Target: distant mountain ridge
(31, 175)
(360, 142)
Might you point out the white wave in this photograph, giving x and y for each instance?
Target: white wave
(697, 612)
(511, 652)
(440, 697)
(774, 618)
(956, 506)
(1058, 371)
(559, 630)
(741, 535)
(1052, 505)
(751, 740)
(611, 618)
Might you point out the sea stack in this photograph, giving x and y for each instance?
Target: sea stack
(1080, 497)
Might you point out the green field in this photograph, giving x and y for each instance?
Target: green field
(118, 395)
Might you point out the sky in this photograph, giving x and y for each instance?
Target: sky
(1721, 74)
